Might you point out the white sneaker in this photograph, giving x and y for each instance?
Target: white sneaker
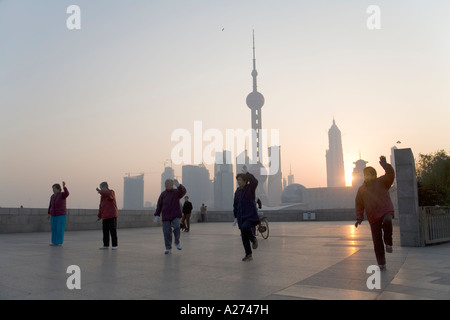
(179, 246)
(168, 251)
(103, 248)
(114, 248)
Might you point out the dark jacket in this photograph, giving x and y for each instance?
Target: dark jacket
(374, 197)
(187, 207)
(244, 207)
(108, 205)
(168, 206)
(57, 206)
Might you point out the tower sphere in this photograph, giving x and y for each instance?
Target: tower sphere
(255, 100)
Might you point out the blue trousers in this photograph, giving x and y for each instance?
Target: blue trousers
(57, 225)
(167, 230)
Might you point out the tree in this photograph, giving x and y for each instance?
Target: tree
(433, 179)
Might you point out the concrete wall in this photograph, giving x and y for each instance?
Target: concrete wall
(35, 220)
(289, 215)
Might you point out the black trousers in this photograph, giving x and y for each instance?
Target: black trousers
(110, 227)
(381, 235)
(248, 235)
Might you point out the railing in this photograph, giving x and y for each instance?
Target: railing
(435, 224)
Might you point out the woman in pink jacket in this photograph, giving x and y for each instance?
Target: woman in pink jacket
(373, 198)
(57, 213)
(108, 212)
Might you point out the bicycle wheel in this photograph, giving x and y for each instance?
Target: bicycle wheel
(263, 228)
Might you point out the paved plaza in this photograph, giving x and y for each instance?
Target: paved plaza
(299, 260)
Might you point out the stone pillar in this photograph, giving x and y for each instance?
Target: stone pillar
(408, 202)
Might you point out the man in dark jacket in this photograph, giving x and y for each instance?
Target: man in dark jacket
(245, 212)
(168, 208)
(373, 197)
(187, 210)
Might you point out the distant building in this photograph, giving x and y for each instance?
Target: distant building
(358, 173)
(290, 179)
(329, 198)
(198, 185)
(293, 193)
(274, 186)
(335, 158)
(133, 192)
(167, 174)
(223, 181)
(319, 198)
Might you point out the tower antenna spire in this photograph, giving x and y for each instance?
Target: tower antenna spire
(254, 56)
(254, 72)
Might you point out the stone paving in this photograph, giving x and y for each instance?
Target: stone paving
(299, 260)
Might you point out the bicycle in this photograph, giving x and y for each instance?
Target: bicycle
(262, 227)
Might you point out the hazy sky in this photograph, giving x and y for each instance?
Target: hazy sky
(90, 105)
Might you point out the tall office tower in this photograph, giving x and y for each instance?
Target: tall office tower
(335, 158)
(198, 186)
(274, 186)
(255, 101)
(168, 173)
(133, 192)
(223, 181)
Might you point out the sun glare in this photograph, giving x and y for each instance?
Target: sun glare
(348, 178)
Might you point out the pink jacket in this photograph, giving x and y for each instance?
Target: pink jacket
(57, 206)
(108, 206)
(374, 198)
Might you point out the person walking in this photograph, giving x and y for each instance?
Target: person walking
(203, 213)
(245, 212)
(187, 210)
(373, 198)
(108, 212)
(57, 212)
(168, 208)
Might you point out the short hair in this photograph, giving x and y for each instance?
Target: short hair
(169, 180)
(370, 170)
(243, 176)
(104, 184)
(57, 186)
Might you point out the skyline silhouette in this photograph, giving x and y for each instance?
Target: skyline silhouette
(89, 105)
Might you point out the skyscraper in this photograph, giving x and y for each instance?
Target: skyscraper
(274, 186)
(198, 186)
(133, 192)
(167, 174)
(335, 158)
(223, 181)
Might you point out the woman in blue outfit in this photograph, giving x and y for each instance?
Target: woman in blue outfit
(245, 212)
(57, 213)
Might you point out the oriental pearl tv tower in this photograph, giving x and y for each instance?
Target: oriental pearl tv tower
(255, 101)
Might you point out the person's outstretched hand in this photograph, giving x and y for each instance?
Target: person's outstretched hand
(383, 161)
